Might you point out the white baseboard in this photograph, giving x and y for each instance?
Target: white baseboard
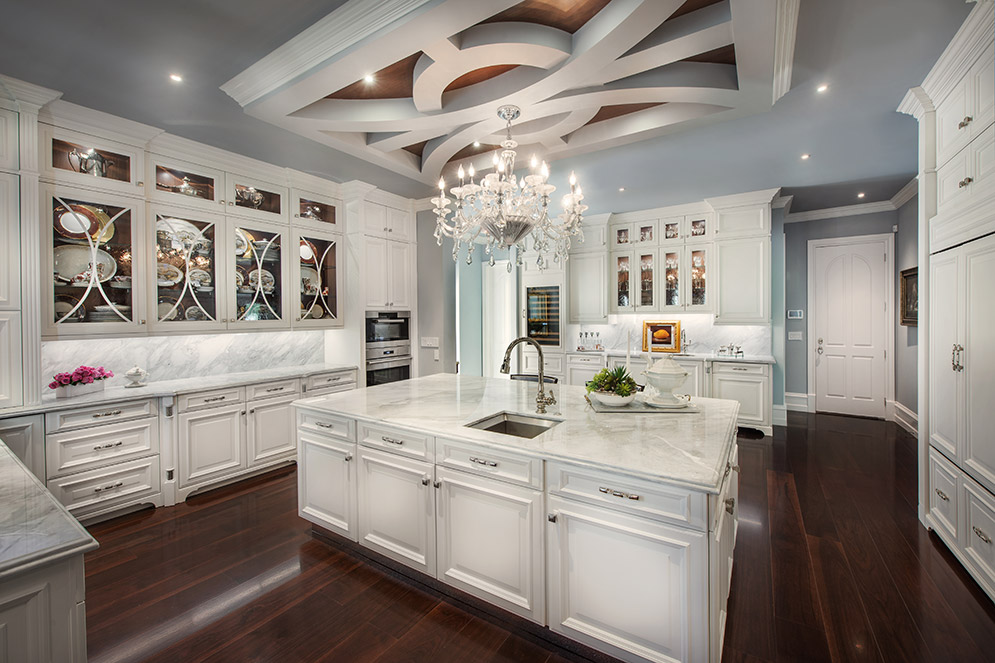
(780, 415)
(906, 418)
(796, 402)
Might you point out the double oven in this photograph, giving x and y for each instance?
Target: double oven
(388, 347)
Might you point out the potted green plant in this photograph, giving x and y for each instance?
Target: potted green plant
(613, 387)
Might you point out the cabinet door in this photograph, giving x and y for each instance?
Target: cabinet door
(11, 383)
(983, 81)
(397, 508)
(9, 152)
(626, 585)
(622, 266)
(258, 276)
(946, 397)
(742, 280)
(983, 162)
(978, 360)
(374, 220)
(953, 118)
(742, 221)
(400, 225)
(588, 273)
(621, 236)
(10, 253)
(671, 232)
(270, 432)
(645, 233)
(318, 279)
(95, 241)
(25, 436)
(326, 481)
(256, 199)
(671, 270)
(176, 182)
(490, 541)
(699, 227)
(697, 293)
(751, 392)
(375, 269)
(79, 159)
(579, 376)
(211, 444)
(185, 257)
(644, 279)
(696, 376)
(314, 210)
(401, 259)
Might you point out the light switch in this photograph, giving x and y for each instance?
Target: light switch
(796, 336)
(430, 341)
(436, 355)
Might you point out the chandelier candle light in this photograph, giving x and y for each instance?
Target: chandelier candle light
(503, 210)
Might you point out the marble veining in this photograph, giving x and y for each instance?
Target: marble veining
(703, 335)
(34, 527)
(684, 449)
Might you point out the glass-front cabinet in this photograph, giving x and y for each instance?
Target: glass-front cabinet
(258, 273)
(635, 280)
(256, 199)
(79, 159)
(671, 297)
(93, 243)
(181, 183)
(689, 228)
(634, 234)
(696, 263)
(318, 279)
(622, 281)
(315, 211)
(186, 291)
(671, 230)
(543, 299)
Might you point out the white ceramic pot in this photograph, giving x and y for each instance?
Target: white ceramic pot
(612, 400)
(72, 390)
(665, 376)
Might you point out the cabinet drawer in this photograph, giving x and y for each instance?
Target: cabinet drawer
(489, 462)
(943, 480)
(650, 499)
(736, 368)
(327, 425)
(578, 360)
(552, 364)
(412, 445)
(324, 380)
(979, 536)
(324, 391)
(94, 416)
(271, 389)
(100, 490)
(214, 398)
(74, 451)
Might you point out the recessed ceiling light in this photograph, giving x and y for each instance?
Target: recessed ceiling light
(860, 195)
(822, 88)
(621, 189)
(806, 156)
(476, 143)
(176, 78)
(368, 78)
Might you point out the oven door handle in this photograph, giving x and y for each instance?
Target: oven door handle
(390, 362)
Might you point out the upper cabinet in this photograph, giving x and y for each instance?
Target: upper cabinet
(79, 159)
(256, 199)
(8, 140)
(318, 278)
(635, 233)
(588, 274)
(968, 110)
(258, 275)
(315, 211)
(742, 221)
(742, 277)
(388, 222)
(687, 228)
(10, 253)
(176, 182)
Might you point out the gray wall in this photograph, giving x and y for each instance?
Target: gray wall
(469, 290)
(796, 237)
(906, 338)
(436, 300)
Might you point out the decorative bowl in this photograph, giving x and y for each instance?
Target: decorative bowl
(612, 400)
(665, 376)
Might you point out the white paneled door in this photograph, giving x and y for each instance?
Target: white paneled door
(850, 313)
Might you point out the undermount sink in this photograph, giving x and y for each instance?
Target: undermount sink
(511, 423)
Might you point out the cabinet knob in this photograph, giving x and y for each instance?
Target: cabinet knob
(981, 535)
(966, 121)
(425, 481)
(438, 484)
(347, 458)
(964, 182)
(551, 517)
(942, 495)
(142, 322)
(731, 504)
(140, 183)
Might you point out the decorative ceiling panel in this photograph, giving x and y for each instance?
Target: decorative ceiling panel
(587, 74)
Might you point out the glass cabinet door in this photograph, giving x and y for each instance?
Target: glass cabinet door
(699, 227)
(697, 267)
(671, 266)
(671, 230)
(622, 235)
(319, 274)
(314, 210)
(187, 292)
(256, 199)
(92, 243)
(84, 160)
(622, 266)
(181, 183)
(645, 233)
(257, 273)
(646, 298)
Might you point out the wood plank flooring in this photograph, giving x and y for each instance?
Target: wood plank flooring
(831, 565)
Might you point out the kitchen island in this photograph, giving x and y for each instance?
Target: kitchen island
(615, 530)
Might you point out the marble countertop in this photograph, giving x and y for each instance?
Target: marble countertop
(687, 449)
(121, 393)
(702, 356)
(35, 529)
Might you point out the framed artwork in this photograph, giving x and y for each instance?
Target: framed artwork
(663, 336)
(909, 306)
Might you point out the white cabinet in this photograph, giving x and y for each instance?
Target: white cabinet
(967, 110)
(695, 383)
(270, 432)
(633, 234)
(388, 222)
(588, 287)
(25, 436)
(945, 331)
(388, 269)
(627, 585)
(94, 162)
(318, 265)
(397, 508)
(742, 221)
(314, 210)
(256, 199)
(9, 152)
(327, 485)
(490, 541)
(582, 368)
(210, 445)
(968, 173)
(636, 282)
(11, 383)
(742, 280)
(944, 496)
(177, 182)
(10, 243)
(750, 385)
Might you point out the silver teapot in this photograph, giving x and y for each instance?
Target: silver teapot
(90, 162)
(250, 196)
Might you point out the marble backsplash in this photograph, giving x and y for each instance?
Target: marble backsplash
(701, 333)
(172, 357)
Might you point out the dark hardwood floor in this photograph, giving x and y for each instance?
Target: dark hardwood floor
(831, 565)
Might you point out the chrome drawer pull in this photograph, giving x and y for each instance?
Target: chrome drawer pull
(633, 497)
(737, 368)
(981, 535)
(112, 413)
(321, 424)
(482, 461)
(272, 389)
(943, 496)
(618, 493)
(730, 504)
(390, 440)
(110, 487)
(215, 399)
(964, 182)
(604, 490)
(966, 121)
(109, 445)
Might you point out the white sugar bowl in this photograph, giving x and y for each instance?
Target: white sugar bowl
(136, 377)
(665, 375)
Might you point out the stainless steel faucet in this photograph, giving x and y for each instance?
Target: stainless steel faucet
(542, 400)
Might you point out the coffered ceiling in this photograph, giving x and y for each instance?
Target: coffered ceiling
(413, 85)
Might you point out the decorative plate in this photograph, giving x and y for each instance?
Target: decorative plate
(310, 282)
(199, 277)
(72, 263)
(195, 313)
(110, 308)
(168, 274)
(78, 222)
(317, 311)
(185, 232)
(242, 240)
(239, 277)
(168, 309)
(262, 278)
(66, 303)
(309, 252)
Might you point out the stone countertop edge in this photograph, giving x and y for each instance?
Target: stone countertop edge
(173, 388)
(498, 442)
(747, 359)
(41, 507)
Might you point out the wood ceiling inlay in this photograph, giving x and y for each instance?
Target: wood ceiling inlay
(567, 15)
(618, 110)
(471, 151)
(479, 76)
(417, 149)
(693, 6)
(392, 82)
(722, 55)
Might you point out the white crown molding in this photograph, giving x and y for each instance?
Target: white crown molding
(35, 96)
(660, 212)
(784, 45)
(597, 219)
(915, 103)
(762, 197)
(971, 40)
(424, 204)
(190, 150)
(300, 180)
(345, 27)
(781, 201)
(838, 212)
(389, 199)
(356, 190)
(90, 121)
(906, 193)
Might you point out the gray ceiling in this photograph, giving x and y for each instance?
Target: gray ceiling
(115, 56)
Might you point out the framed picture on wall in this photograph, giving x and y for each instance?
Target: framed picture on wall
(662, 336)
(909, 307)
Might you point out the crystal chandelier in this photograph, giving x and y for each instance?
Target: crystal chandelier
(504, 210)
